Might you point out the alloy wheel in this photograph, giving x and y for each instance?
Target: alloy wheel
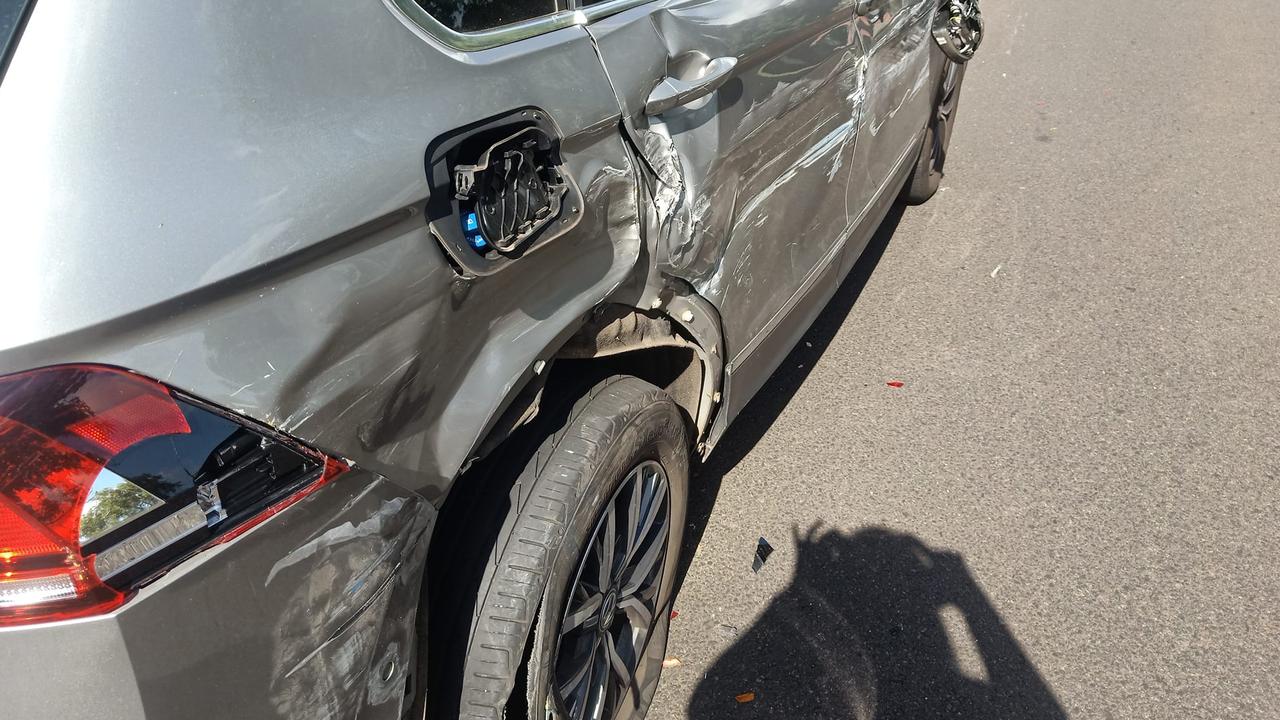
(613, 608)
(959, 29)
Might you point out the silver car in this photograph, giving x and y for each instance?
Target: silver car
(356, 353)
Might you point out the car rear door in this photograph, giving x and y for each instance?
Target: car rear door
(756, 165)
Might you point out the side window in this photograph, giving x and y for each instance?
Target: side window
(473, 15)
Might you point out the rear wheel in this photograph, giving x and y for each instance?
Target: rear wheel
(602, 657)
(570, 617)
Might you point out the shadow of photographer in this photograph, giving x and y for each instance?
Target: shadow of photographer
(876, 625)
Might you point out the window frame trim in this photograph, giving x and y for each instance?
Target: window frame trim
(9, 45)
(513, 32)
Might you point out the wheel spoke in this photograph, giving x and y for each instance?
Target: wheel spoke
(584, 617)
(639, 572)
(637, 612)
(581, 678)
(653, 508)
(599, 698)
(634, 501)
(605, 545)
(624, 674)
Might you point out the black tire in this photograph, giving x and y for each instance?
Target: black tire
(926, 178)
(555, 504)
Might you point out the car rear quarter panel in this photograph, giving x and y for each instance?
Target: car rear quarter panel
(297, 618)
(228, 197)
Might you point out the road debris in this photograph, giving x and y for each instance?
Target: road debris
(763, 551)
(997, 270)
(671, 662)
(895, 383)
(745, 697)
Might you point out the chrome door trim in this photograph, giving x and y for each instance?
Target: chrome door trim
(494, 37)
(603, 10)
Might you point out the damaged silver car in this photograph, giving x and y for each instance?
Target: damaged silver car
(356, 353)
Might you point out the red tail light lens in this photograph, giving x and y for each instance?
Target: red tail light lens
(107, 478)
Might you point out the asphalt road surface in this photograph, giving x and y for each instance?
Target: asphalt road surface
(1071, 508)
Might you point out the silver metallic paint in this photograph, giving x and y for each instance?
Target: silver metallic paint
(762, 164)
(228, 197)
(209, 640)
(411, 11)
(243, 220)
(899, 91)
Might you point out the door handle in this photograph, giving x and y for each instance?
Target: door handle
(673, 92)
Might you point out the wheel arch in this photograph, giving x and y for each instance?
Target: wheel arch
(676, 344)
(475, 518)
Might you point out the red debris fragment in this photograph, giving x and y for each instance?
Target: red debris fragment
(895, 383)
(674, 614)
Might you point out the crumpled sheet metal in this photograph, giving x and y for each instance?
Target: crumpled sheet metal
(677, 220)
(311, 614)
(371, 347)
(306, 292)
(746, 206)
(372, 568)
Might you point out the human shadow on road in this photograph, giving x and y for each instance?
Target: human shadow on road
(876, 625)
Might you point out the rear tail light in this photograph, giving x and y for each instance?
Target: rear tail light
(108, 479)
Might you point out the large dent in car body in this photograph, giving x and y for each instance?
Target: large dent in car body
(354, 592)
(679, 215)
(380, 352)
(899, 88)
(348, 328)
(748, 186)
(292, 619)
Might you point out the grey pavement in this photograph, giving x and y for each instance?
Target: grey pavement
(1071, 508)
